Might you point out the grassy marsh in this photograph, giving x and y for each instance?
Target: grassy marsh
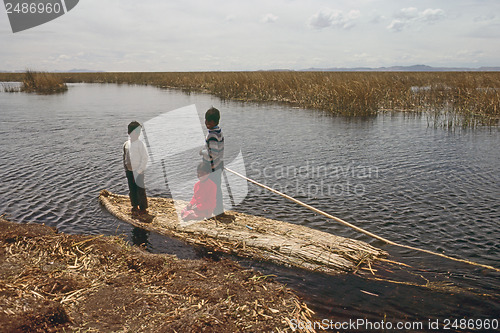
(451, 99)
(38, 82)
(42, 83)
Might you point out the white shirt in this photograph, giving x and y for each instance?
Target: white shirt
(135, 156)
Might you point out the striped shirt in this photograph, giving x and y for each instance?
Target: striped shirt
(214, 148)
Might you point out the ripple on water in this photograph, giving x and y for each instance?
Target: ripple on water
(427, 188)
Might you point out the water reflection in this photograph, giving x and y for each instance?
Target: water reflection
(140, 237)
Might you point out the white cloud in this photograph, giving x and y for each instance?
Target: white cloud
(408, 13)
(432, 15)
(397, 25)
(411, 16)
(125, 35)
(269, 18)
(334, 18)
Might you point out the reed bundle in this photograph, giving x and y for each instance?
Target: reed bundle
(254, 237)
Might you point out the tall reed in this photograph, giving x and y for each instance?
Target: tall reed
(450, 99)
(42, 83)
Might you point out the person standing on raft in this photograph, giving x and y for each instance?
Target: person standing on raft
(135, 160)
(213, 153)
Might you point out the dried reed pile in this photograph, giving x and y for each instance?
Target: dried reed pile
(57, 282)
(254, 237)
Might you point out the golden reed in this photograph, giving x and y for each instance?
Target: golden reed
(464, 99)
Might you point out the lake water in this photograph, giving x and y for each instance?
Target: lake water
(392, 175)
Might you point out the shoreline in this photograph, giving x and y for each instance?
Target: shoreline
(451, 99)
(55, 281)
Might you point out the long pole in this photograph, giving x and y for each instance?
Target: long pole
(316, 210)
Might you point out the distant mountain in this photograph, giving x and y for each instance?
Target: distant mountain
(78, 70)
(414, 68)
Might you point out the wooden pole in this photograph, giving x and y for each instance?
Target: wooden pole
(316, 210)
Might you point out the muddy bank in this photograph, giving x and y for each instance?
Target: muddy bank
(51, 281)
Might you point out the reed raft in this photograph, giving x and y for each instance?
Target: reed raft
(251, 236)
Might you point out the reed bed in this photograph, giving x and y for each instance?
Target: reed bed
(42, 83)
(450, 99)
(34, 82)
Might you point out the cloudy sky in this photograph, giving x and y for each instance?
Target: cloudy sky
(194, 35)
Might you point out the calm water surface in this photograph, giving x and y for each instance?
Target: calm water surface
(392, 175)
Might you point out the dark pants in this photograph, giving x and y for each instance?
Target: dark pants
(137, 193)
(216, 176)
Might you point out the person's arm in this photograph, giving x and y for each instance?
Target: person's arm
(205, 152)
(126, 156)
(212, 153)
(196, 197)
